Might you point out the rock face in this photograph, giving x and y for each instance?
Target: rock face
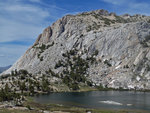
(121, 42)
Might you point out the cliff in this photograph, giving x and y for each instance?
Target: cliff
(107, 49)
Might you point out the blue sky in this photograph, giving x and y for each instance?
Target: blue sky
(21, 21)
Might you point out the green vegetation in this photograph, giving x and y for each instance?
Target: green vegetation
(75, 68)
(96, 16)
(50, 72)
(107, 62)
(94, 26)
(126, 66)
(42, 48)
(89, 28)
(104, 88)
(7, 95)
(50, 45)
(145, 41)
(59, 64)
(45, 85)
(144, 44)
(84, 14)
(23, 87)
(107, 21)
(23, 83)
(120, 19)
(74, 76)
(96, 52)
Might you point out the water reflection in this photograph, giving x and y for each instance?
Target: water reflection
(100, 99)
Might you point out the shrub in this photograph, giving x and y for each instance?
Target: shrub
(6, 95)
(22, 77)
(45, 86)
(89, 28)
(22, 87)
(12, 73)
(74, 86)
(24, 72)
(144, 42)
(50, 45)
(59, 64)
(41, 59)
(89, 83)
(107, 62)
(72, 52)
(96, 52)
(66, 80)
(28, 106)
(31, 89)
(64, 55)
(126, 66)
(100, 87)
(43, 47)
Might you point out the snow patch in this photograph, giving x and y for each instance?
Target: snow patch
(111, 102)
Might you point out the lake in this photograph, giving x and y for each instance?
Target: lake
(99, 99)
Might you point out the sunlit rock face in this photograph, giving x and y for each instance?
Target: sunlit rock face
(122, 44)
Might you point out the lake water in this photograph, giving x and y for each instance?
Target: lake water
(100, 99)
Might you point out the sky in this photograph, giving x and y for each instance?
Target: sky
(21, 21)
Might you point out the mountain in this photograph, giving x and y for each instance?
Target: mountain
(4, 68)
(94, 48)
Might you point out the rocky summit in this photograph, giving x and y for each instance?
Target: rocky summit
(94, 48)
